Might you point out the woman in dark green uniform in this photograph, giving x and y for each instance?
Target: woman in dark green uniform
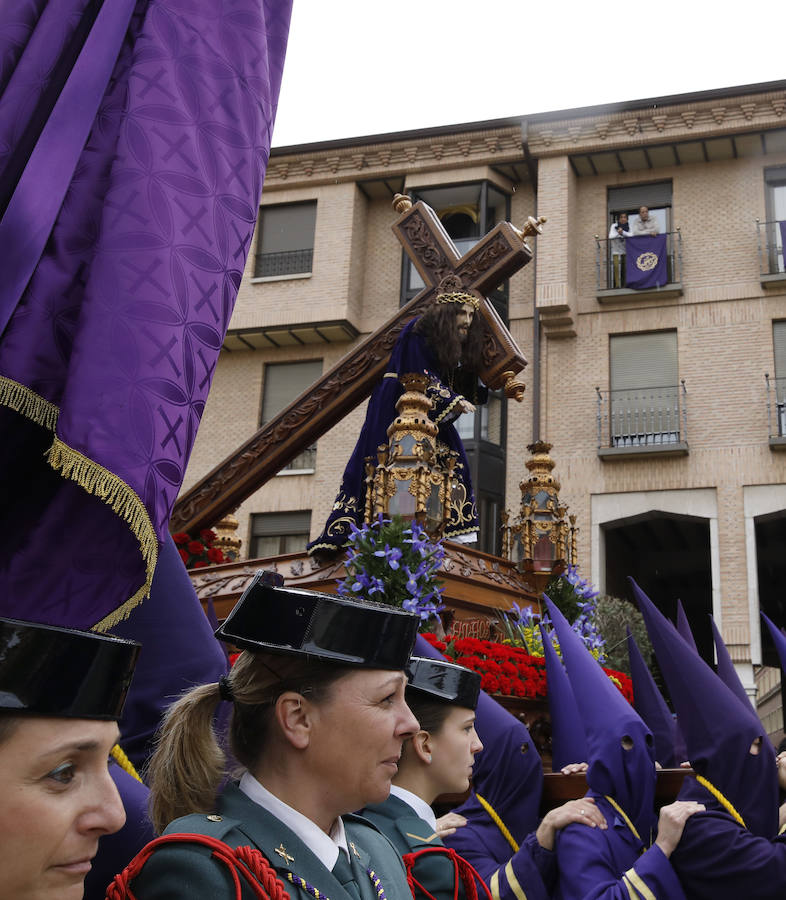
(318, 720)
(61, 694)
(436, 760)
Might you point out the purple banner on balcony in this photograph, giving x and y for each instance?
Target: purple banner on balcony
(646, 262)
(782, 226)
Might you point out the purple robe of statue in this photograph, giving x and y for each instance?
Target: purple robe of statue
(411, 353)
(134, 137)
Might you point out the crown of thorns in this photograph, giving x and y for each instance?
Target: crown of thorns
(459, 297)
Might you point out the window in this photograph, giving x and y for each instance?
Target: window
(284, 382)
(644, 399)
(467, 212)
(275, 533)
(779, 346)
(629, 200)
(775, 183)
(285, 243)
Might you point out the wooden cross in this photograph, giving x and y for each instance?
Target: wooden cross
(493, 259)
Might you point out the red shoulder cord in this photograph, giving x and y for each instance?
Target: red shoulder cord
(241, 862)
(462, 870)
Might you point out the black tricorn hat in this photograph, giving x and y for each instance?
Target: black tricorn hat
(444, 680)
(60, 672)
(321, 626)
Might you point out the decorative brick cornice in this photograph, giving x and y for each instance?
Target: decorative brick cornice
(679, 121)
(395, 157)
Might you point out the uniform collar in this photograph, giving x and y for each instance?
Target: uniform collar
(417, 804)
(324, 846)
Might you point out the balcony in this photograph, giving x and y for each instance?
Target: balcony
(610, 278)
(642, 421)
(284, 264)
(772, 271)
(776, 411)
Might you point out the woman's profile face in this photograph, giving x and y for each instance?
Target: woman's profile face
(453, 750)
(57, 801)
(359, 731)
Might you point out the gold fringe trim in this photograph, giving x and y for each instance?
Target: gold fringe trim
(27, 403)
(123, 501)
(119, 756)
(497, 820)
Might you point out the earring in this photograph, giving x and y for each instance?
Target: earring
(428, 757)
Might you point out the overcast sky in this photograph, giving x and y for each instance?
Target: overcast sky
(360, 67)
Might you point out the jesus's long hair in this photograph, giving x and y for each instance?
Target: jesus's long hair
(439, 329)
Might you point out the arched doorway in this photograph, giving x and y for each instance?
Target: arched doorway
(668, 555)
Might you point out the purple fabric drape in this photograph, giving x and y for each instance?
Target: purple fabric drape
(134, 138)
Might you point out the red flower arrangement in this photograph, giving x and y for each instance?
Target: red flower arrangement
(507, 670)
(197, 553)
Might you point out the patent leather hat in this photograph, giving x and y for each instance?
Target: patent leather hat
(285, 620)
(443, 681)
(60, 672)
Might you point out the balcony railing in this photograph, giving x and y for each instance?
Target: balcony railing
(770, 248)
(776, 406)
(287, 262)
(642, 417)
(611, 270)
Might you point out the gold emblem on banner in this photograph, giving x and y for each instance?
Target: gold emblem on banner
(646, 262)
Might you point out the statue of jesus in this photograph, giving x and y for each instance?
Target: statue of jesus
(446, 343)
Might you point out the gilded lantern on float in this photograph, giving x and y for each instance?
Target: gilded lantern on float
(410, 477)
(542, 540)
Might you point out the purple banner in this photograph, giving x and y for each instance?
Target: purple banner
(113, 336)
(646, 262)
(782, 226)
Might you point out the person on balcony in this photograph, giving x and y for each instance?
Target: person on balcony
(645, 224)
(617, 234)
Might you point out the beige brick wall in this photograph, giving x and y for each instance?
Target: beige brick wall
(723, 324)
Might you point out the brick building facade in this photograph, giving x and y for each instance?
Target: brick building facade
(665, 431)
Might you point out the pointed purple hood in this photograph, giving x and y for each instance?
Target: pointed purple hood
(718, 728)
(626, 775)
(568, 741)
(650, 705)
(683, 627)
(778, 638)
(726, 671)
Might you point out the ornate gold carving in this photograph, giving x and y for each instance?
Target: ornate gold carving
(514, 390)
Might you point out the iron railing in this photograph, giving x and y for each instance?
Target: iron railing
(776, 406)
(770, 248)
(611, 276)
(642, 417)
(287, 262)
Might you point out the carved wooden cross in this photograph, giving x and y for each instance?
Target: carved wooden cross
(494, 258)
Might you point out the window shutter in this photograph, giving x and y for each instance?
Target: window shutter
(779, 341)
(655, 196)
(288, 227)
(274, 524)
(284, 382)
(643, 360)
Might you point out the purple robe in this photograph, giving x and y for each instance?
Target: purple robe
(605, 865)
(717, 859)
(411, 353)
(134, 137)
